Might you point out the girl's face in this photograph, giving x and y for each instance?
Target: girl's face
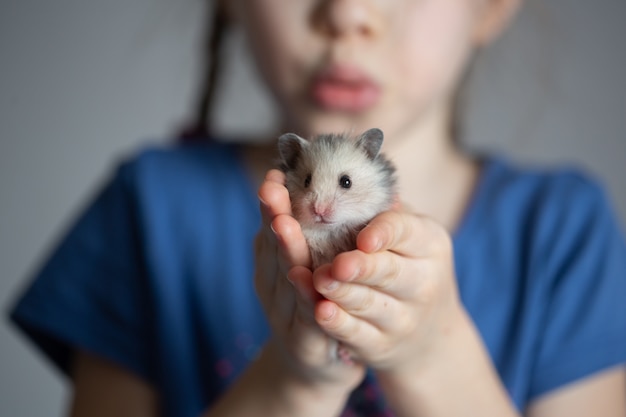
(343, 65)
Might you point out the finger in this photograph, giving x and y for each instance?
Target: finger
(406, 234)
(385, 272)
(278, 303)
(276, 213)
(291, 241)
(289, 310)
(306, 296)
(283, 302)
(273, 196)
(307, 339)
(302, 280)
(362, 301)
(270, 278)
(342, 326)
(276, 175)
(266, 254)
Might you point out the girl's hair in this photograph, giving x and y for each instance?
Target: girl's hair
(213, 44)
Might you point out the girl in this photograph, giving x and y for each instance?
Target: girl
(489, 290)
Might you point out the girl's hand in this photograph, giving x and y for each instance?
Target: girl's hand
(394, 299)
(284, 285)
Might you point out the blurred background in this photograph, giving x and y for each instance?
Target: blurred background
(84, 83)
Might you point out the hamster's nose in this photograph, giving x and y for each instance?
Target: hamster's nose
(322, 210)
(345, 18)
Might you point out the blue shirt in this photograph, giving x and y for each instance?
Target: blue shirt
(157, 276)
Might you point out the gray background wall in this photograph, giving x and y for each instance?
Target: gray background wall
(83, 82)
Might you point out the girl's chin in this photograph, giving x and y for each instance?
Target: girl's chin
(314, 122)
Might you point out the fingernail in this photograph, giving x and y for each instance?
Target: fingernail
(278, 236)
(355, 274)
(290, 280)
(329, 314)
(332, 286)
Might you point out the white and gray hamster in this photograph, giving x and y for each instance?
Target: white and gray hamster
(337, 184)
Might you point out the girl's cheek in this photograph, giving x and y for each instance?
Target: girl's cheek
(434, 45)
(281, 43)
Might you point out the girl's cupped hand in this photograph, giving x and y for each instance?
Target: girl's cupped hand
(284, 284)
(393, 301)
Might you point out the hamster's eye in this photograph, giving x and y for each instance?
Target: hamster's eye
(345, 182)
(307, 181)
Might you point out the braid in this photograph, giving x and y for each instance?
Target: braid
(200, 125)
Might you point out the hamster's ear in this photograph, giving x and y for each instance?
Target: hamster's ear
(290, 146)
(371, 141)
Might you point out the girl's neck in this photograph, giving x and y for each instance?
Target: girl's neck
(435, 177)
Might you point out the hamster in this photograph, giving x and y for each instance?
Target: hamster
(336, 184)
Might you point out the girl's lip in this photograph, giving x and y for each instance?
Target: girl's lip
(344, 88)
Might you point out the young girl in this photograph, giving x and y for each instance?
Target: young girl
(489, 290)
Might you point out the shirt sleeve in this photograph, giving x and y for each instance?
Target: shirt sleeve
(584, 265)
(91, 294)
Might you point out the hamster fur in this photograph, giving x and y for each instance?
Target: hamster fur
(336, 184)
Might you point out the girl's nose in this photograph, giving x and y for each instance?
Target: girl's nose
(347, 18)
